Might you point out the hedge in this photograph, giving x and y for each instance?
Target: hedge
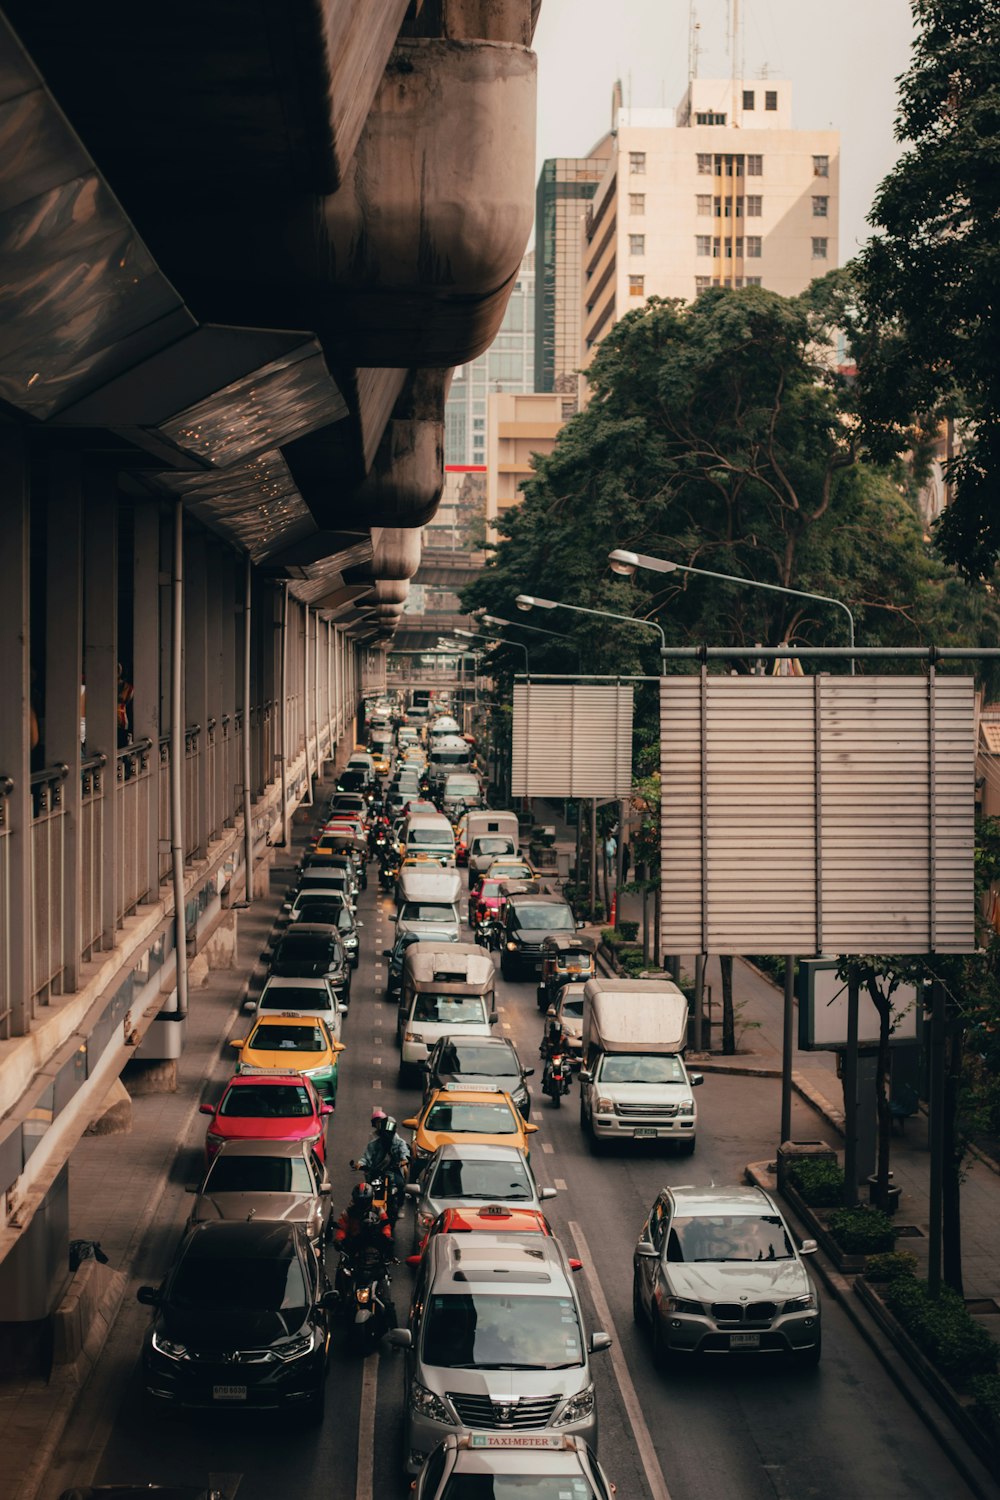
(890, 1266)
(862, 1231)
(943, 1329)
(819, 1183)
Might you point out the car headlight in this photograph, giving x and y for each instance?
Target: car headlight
(426, 1404)
(322, 1072)
(511, 947)
(687, 1108)
(604, 1106)
(799, 1304)
(421, 1153)
(576, 1408)
(296, 1348)
(169, 1348)
(684, 1305)
(412, 1036)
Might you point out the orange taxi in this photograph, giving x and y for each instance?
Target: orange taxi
(483, 1116)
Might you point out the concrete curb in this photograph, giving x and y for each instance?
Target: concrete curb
(889, 1355)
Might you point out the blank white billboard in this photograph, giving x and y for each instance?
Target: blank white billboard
(571, 740)
(813, 815)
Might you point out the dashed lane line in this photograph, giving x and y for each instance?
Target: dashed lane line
(548, 1147)
(366, 1428)
(560, 1183)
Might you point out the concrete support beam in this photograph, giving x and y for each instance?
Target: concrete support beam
(18, 730)
(146, 665)
(100, 674)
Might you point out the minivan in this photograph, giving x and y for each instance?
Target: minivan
(428, 833)
(495, 1341)
(447, 990)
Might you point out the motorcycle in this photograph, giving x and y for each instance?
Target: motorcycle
(388, 869)
(488, 934)
(556, 1077)
(365, 1292)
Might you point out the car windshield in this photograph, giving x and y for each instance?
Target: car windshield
(280, 997)
(258, 1174)
(239, 1284)
(726, 1237)
(554, 918)
(430, 836)
(492, 1181)
(457, 784)
(489, 890)
(572, 1007)
(488, 1062)
(312, 948)
(277, 1038)
(277, 1101)
(558, 1486)
(493, 845)
(427, 911)
(627, 1067)
(502, 1332)
(320, 898)
(456, 1118)
(451, 1010)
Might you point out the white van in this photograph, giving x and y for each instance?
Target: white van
(448, 990)
(428, 833)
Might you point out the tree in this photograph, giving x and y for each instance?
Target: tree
(926, 326)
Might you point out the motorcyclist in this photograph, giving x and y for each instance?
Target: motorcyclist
(362, 1231)
(553, 1039)
(386, 1155)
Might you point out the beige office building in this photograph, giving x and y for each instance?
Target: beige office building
(517, 426)
(721, 192)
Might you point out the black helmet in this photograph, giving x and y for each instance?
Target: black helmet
(361, 1197)
(387, 1128)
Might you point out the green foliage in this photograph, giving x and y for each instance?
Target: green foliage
(985, 1392)
(942, 1328)
(862, 1231)
(628, 931)
(818, 1183)
(890, 1266)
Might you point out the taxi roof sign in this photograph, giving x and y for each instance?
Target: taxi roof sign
(549, 1441)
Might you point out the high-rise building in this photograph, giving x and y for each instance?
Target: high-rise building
(507, 365)
(518, 427)
(722, 192)
(565, 186)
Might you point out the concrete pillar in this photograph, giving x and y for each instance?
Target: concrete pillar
(220, 949)
(146, 664)
(196, 697)
(229, 668)
(17, 727)
(100, 671)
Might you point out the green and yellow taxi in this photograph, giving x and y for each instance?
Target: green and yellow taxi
(299, 1044)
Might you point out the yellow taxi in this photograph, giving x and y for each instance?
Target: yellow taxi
(472, 1116)
(299, 1044)
(382, 766)
(514, 868)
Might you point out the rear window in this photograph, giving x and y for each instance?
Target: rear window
(430, 836)
(493, 844)
(466, 1057)
(288, 997)
(258, 1174)
(253, 1101)
(271, 1038)
(427, 911)
(450, 1010)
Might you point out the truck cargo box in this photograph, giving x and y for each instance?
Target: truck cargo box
(634, 1015)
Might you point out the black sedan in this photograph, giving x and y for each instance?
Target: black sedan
(489, 1060)
(241, 1320)
(311, 950)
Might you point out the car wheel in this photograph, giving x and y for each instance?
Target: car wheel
(808, 1359)
(505, 967)
(403, 1077)
(637, 1312)
(596, 1144)
(314, 1415)
(662, 1357)
(686, 1148)
(583, 1115)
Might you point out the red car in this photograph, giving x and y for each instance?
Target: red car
(484, 897)
(493, 1218)
(267, 1106)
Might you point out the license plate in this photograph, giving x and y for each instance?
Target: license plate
(229, 1393)
(744, 1341)
(644, 1133)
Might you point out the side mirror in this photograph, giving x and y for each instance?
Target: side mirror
(265, 954)
(580, 924)
(413, 1261)
(286, 906)
(238, 1044)
(359, 924)
(342, 1009)
(386, 952)
(326, 1109)
(206, 1109)
(599, 1341)
(325, 1189)
(527, 1072)
(494, 1017)
(808, 1247)
(551, 1012)
(149, 1296)
(646, 1250)
(585, 1076)
(191, 1187)
(411, 1123)
(574, 1264)
(544, 1193)
(696, 1079)
(412, 1189)
(530, 1129)
(399, 1338)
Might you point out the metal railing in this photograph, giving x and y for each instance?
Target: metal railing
(163, 860)
(133, 790)
(215, 769)
(48, 883)
(6, 787)
(92, 806)
(192, 790)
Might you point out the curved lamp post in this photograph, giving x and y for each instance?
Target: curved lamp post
(532, 601)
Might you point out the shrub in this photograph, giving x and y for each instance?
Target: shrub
(628, 931)
(610, 938)
(943, 1329)
(985, 1391)
(890, 1266)
(819, 1183)
(862, 1231)
(632, 961)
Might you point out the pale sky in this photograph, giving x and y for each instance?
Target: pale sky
(842, 57)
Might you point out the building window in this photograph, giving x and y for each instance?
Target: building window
(479, 424)
(755, 166)
(718, 208)
(704, 201)
(716, 243)
(752, 281)
(737, 282)
(637, 244)
(729, 248)
(770, 98)
(637, 162)
(739, 208)
(637, 286)
(709, 117)
(705, 163)
(821, 166)
(819, 249)
(701, 284)
(754, 243)
(637, 203)
(568, 406)
(748, 98)
(703, 244)
(820, 207)
(755, 205)
(739, 246)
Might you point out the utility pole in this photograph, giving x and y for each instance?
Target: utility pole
(851, 1092)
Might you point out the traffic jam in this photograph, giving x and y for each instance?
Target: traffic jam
(443, 1254)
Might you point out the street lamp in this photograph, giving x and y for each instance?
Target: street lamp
(626, 564)
(478, 635)
(532, 601)
(557, 635)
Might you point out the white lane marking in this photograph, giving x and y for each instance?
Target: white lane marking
(643, 1441)
(376, 1083)
(559, 1183)
(366, 1428)
(548, 1147)
(376, 1062)
(505, 1025)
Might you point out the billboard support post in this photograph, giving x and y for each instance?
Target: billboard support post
(851, 1092)
(937, 1108)
(788, 1018)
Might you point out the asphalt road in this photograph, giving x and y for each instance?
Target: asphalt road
(748, 1430)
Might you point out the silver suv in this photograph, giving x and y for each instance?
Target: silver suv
(495, 1343)
(716, 1271)
(469, 1175)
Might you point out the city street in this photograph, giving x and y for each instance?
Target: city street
(747, 1431)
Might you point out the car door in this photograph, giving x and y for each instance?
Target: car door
(655, 1230)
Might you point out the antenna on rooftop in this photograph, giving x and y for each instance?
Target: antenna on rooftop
(734, 59)
(694, 47)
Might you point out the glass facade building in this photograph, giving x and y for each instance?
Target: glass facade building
(564, 188)
(507, 365)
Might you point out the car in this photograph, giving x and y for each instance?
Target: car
(394, 968)
(569, 957)
(350, 804)
(715, 1271)
(324, 878)
(456, 1059)
(353, 780)
(307, 950)
(504, 867)
(382, 764)
(242, 1319)
(513, 1463)
(467, 1174)
(488, 1218)
(528, 920)
(485, 1115)
(268, 1105)
(274, 1181)
(302, 1043)
(328, 858)
(484, 900)
(437, 920)
(317, 909)
(301, 997)
(495, 1342)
